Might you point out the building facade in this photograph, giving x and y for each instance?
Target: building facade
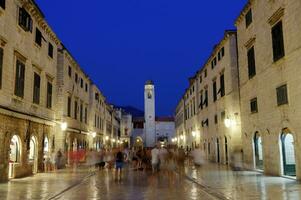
(47, 102)
(208, 115)
(269, 57)
(28, 59)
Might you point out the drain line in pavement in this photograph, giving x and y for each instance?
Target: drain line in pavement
(56, 196)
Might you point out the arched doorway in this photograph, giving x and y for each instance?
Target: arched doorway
(258, 152)
(226, 151)
(33, 154)
(14, 154)
(288, 154)
(217, 151)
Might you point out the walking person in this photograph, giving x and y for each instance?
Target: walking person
(155, 158)
(119, 161)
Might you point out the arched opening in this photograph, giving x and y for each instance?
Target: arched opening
(14, 154)
(226, 151)
(33, 154)
(288, 154)
(258, 152)
(217, 151)
(46, 154)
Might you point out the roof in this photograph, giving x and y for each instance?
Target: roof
(165, 119)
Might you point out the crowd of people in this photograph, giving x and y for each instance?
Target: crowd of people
(161, 159)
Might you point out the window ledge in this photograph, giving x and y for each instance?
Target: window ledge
(279, 61)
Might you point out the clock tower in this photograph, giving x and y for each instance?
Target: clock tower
(149, 114)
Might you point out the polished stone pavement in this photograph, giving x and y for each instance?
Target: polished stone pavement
(208, 182)
(221, 182)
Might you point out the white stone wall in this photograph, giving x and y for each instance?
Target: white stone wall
(270, 119)
(165, 129)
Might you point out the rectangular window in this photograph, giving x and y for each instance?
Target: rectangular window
(206, 98)
(251, 63)
(95, 118)
(81, 83)
(282, 95)
(86, 114)
(201, 100)
(201, 79)
(49, 95)
(50, 50)
(36, 88)
(222, 85)
(205, 73)
(76, 78)
(223, 52)
(277, 39)
(69, 107)
(86, 87)
(215, 119)
(1, 66)
(253, 105)
(2, 4)
(25, 20)
(69, 71)
(214, 90)
(248, 18)
(75, 109)
(39, 36)
(81, 113)
(219, 56)
(20, 79)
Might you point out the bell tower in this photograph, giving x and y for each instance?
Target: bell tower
(149, 114)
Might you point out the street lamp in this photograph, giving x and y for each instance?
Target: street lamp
(64, 126)
(93, 134)
(107, 138)
(193, 133)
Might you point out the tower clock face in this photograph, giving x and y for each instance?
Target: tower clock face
(149, 94)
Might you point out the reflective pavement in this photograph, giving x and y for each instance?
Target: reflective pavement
(223, 183)
(134, 185)
(208, 182)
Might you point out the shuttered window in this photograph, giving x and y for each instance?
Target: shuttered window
(253, 105)
(222, 85)
(36, 88)
(2, 4)
(277, 39)
(248, 18)
(214, 90)
(25, 20)
(50, 50)
(49, 95)
(19, 79)
(69, 107)
(282, 95)
(39, 36)
(75, 110)
(251, 63)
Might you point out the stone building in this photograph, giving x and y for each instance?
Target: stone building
(149, 129)
(209, 112)
(28, 60)
(96, 116)
(269, 58)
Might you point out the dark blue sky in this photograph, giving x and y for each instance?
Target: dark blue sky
(122, 43)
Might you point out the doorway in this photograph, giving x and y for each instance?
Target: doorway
(33, 154)
(288, 154)
(258, 152)
(14, 155)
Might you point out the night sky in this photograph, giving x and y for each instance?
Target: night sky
(122, 43)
